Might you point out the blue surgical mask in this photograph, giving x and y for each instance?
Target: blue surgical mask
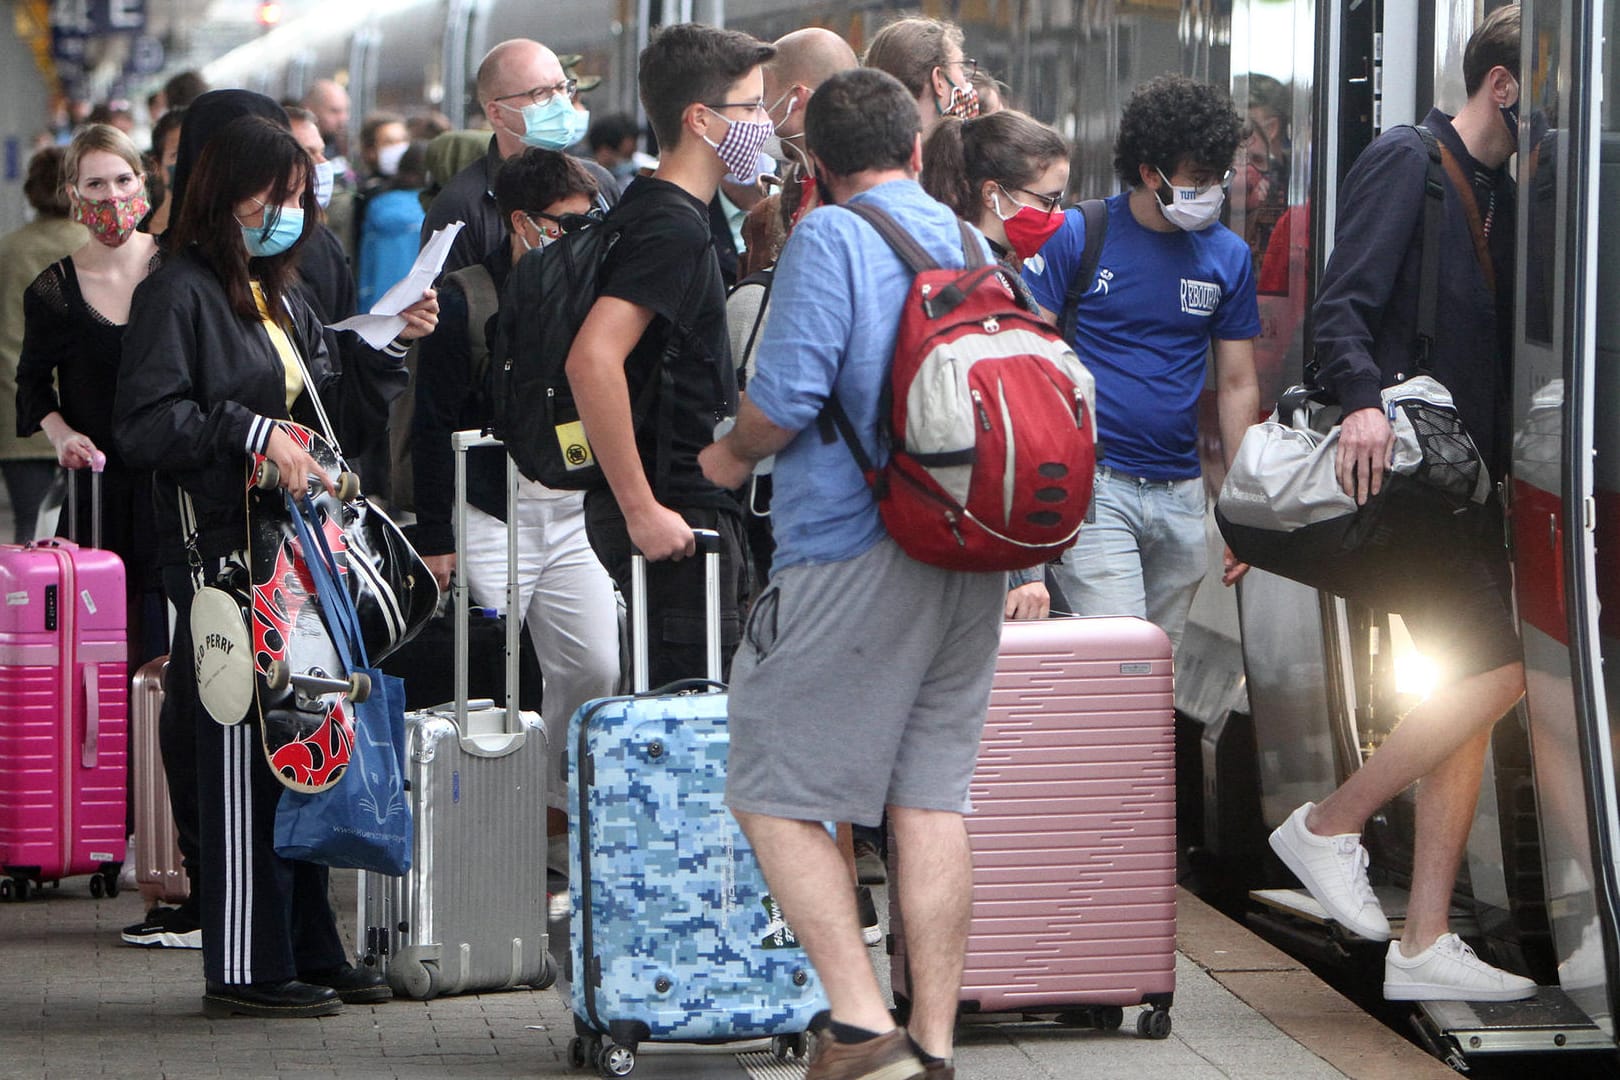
(324, 174)
(553, 125)
(274, 236)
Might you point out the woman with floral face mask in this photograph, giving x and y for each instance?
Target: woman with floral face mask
(74, 313)
(222, 350)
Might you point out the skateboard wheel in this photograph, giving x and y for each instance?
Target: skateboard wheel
(359, 687)
(277, 675)
(266, 477)
(348, 486)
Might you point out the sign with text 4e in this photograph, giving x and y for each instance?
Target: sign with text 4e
(92, 17)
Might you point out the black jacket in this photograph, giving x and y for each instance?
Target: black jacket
(1366, 308)
(199, 387)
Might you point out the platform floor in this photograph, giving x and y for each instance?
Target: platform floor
(75, 1002)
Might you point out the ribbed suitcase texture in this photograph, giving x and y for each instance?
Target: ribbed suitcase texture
(471, 913)
(64, 722)
(159, 871)
(675, 935)
(1074, 823)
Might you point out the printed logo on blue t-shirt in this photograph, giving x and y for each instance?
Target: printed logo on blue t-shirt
(1200, 297)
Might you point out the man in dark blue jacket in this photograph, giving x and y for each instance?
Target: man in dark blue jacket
(1366, 334)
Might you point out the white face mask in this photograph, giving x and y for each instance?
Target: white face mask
(324, 176)
(388, 158)
(1191, 210)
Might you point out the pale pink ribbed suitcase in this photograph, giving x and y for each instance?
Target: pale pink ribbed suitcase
(64, 715)
(1073, 828)
(159, 872)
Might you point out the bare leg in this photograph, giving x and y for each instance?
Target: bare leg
(810, 879)
(1420, 744)
(1446, 799)
(936, 901)
(846, 847)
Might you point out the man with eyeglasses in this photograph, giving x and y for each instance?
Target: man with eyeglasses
(1172, 285)
(529, 101)
(926, 56)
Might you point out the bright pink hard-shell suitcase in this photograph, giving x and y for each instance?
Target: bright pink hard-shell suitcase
(64, 716)
(1073, 829)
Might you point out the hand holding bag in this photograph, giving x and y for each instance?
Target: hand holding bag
(364, 822)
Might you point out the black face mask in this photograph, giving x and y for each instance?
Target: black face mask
(1510, 116)
(824, 193)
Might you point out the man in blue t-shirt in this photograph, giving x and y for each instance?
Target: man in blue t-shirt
(863, 677)
(1171, 283)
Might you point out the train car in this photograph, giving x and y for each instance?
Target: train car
(1281, 692)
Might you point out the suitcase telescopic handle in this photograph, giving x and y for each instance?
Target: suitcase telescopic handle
(98, 462)
(461, 442)
(708, 545)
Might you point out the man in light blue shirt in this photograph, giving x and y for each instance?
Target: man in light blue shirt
(854, 645)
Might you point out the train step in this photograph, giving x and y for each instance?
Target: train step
(1549, 1022)
(1301, 905)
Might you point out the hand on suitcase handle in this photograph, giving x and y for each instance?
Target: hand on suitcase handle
(708, 542)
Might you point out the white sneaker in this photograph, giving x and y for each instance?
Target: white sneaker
(1334, 870)
(1448, 970)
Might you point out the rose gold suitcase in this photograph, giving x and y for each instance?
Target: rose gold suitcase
(158, 870)
(1073, 829)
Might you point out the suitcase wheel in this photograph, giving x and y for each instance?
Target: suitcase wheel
(576, 1052)
(13, 889)
(616, 1060)
(548, 974)
(785, 1047)
(1153, 1024)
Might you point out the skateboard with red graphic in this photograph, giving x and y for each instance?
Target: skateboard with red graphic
(304, 693)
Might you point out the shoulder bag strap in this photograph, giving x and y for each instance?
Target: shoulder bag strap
(309, 379)
(1434, 196)
(1094, 212)
(1465, 191)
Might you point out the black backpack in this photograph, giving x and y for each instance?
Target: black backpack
(546, 299)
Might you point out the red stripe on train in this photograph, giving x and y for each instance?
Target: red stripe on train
(1538, 523)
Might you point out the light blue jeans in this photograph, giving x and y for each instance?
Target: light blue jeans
(1144, 555)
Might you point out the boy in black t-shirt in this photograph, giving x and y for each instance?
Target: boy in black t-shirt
(660, 315)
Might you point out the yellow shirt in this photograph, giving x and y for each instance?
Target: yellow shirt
(292, 371)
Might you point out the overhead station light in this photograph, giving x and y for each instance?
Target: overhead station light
(269, 13)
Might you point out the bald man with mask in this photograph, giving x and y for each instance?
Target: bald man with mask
(528, 100)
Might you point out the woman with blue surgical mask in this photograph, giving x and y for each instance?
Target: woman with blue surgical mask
(221, 353)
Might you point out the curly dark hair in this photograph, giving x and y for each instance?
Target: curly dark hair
(1172, 121)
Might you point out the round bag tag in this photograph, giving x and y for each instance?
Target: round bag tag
(222, 655)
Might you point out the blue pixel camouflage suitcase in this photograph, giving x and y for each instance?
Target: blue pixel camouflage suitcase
(674, 934)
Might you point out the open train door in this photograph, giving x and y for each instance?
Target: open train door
(1565, 476)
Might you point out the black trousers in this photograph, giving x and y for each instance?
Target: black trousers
(676, 610)
(265, 919)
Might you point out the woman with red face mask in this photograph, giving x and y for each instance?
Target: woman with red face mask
(74, 315)
(1004, 173)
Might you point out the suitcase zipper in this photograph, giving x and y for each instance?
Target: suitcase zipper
(67, 626)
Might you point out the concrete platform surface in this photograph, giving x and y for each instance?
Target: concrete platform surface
(75, 1002)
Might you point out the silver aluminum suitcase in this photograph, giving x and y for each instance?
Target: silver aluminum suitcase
(470, 915)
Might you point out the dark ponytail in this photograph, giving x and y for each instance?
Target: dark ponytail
(945, 167)
(1008, 147)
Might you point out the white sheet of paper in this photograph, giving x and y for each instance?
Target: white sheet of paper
(382, 323)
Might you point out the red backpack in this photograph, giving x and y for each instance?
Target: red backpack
(989, 419)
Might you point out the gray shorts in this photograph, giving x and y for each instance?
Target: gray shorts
(860, 684)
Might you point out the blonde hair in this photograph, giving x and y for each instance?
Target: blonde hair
(98, 137)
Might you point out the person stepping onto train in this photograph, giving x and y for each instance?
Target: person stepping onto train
(221, 348)
(1366, 319)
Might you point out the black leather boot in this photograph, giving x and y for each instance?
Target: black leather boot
(290, 998)
(355, 985)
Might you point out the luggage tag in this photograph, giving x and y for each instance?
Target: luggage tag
(575, 447)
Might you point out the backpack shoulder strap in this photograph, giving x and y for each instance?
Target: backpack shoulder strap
(972, 252)
(1094, 212)
(904, 244)
(1434, 198)
(764, 279)
(482, 304)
